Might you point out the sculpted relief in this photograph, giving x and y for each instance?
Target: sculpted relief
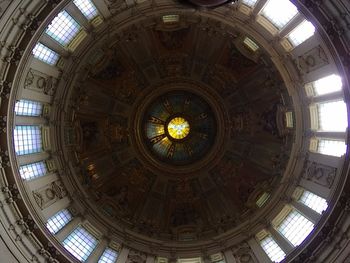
(49, 194)
(40, 82)
(320, 174)
(312, 60)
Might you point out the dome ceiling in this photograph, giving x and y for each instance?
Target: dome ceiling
(88, 108)
(234, 102)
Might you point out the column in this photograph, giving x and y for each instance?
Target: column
(98, 251)
(284, 244)
(32, 158)
(258, 251)
(64, 232)
(74, 11)
(123, 255)
(26, 120)
(333, 135)
(258, 7)
(329, 97)
(229, 258)
(291, 25)
(102, 8)
(310, 214)
(54, 45)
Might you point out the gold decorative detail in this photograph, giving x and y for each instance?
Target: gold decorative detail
(178, 128)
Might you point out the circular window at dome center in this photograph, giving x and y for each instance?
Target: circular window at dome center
(178, 128)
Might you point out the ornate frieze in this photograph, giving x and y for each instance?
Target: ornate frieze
(319, 173)
(40, 82)
(49, 194)
(312, 60)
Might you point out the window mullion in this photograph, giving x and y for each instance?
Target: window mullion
(54, 45)
(328, 97)
(32, 158)
(229, 256)
(284, 244)
(102, 8)
(306, 211)
(29, 120)
(299, 18)
(67, 229)
(259, 6)
(98, 251)
(123, 255)
(74, 11)
(258, 251)
(333, 135)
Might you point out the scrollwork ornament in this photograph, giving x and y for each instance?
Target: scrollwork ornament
(5, 89)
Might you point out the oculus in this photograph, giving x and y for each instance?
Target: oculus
(179, 127)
